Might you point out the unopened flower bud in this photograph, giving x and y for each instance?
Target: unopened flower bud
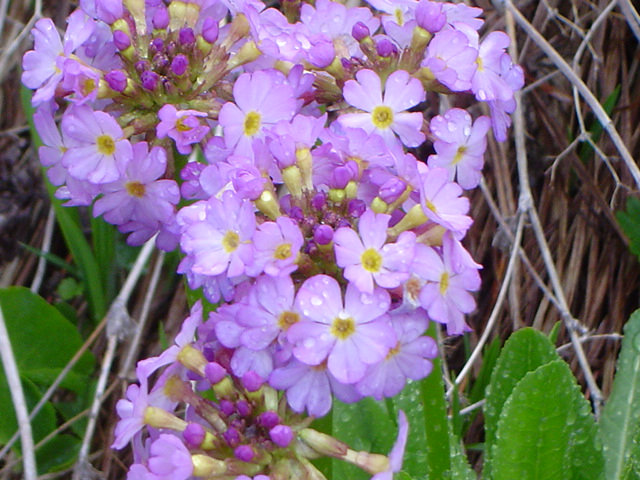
(232, 437)
(360, 31)
(323, 234)
(179, 65)
(322, 53)
(194, 434)
(268, 419)
(160, 20)
(429, 16)
(227, 407)
(109, 11)
(385, 48)
(281, 435)
(244, 408)
(142, 66)
(356, 208)
(210, 30)
(252, 381)
(391, 190)
(186, 36)
(117, 80)
(319, 200)
(340, 177)
(245, 453)
(214, 372)
(149, 80)
(121, 40)
(160, 61)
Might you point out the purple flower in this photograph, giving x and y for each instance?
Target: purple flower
(182, 126)
(277, 245)
(185, 337)
(367, 257)
(449, 279)
(261, 100)
(43, 65)
(97, 150)
(77, 192)
(310, 387)
(131, 412)
(451, 59)
(220, 241)
(429, 15)
(349, 336)
(441, 201)
(460, 145)
(170, 459)
(386, 115)
(487, 84)
(139, 195)
(336, 22)
(410, 358)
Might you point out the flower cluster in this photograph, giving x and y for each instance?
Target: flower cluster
(280, 149)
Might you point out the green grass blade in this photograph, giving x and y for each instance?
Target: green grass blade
(621, 415)
(437, 447)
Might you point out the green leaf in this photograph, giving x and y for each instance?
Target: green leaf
(540, 422)
(437, 447)
(68, 288)
(416, 460)
(630, 223)
(42, 424)
(33, 324)
(363, 426)
(43, 341)
(460, 468)
(58, 453)
(526, 350)
(621, 415)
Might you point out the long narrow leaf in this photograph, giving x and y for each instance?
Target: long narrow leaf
(621, 415)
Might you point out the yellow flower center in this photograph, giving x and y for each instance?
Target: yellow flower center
(371, 260)
(252, 123)
(88, 86)
(106, 145)
(462, 149)
(135, 189)
(444, 283)
(343, 328)
(399, 17)
(382, 117)
(180, 126)
(231, 241)
(283, 251)
(394, 351)
(430, 205)
(286, 319)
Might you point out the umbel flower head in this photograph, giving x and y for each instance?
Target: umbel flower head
(283, 152)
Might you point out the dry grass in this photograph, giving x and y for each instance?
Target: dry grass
(575, 197)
